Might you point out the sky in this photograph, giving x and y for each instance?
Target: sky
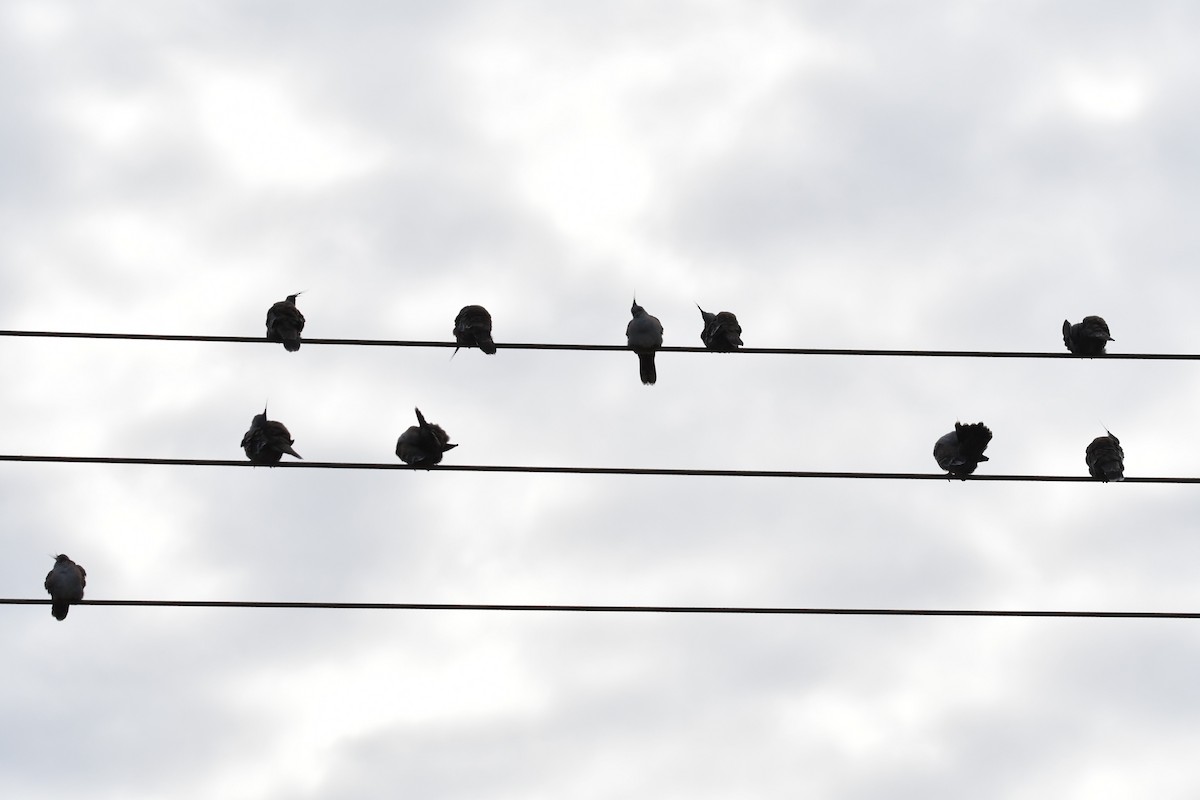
(851, 174)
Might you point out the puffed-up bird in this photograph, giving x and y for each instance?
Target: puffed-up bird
(473, 328)
(65, 583)
(267, 440)
(960, 451)
(1088, 337)
(1105, 458)
(721, 331)
(284, 323)
(644, 334)
(423, 444)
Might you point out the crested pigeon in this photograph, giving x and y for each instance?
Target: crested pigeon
(423, 444)
(284, 323)
(721, 331)
(644, 334)
(65, 583)
(473, 327)
(1105, 458)
(1086, 338)
(960, 451)
(267, 440)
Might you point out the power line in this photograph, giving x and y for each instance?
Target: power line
(714, 473)
(628, 609)
(795, 351)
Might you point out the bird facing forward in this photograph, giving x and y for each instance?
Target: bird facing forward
(267, 440)
(960, 451)
(284, 323)
(473, 328)
(721, 331)
(65, 583)
(423, 444)
(1088, 337)
(644, 334)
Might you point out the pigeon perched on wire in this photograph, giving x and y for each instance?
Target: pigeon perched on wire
(423, 444)
(1105, 458)
(267, 440)
(1088, 337)
(473, 328)
(644, 334)
(721, 331)
(960, 451)
(65, 584)
(284, 323)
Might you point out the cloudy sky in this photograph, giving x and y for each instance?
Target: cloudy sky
(941, 175)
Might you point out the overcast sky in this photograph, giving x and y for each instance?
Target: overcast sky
(943, 175)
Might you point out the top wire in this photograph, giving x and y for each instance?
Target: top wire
(794, 351)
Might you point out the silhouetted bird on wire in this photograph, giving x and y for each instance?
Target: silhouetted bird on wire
(1086, 338)
(473, 328)
(65, 583)
(644, 334)
(960, 451)
(1105, 458)
(423, 444)
(721, 331)
(284, 323)
(267, 440)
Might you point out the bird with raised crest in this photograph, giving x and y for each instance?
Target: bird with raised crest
(1087, 337)
(423, 444)
(267, 440)
(1105, 458)
(644, 335)
(721, 331)
(65, 583)
(960, 451)
(284, 323)
(473, 328)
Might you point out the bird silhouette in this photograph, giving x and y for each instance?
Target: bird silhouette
(64, 582)
(1088, 337)
(473, 328)
(1105, 458)
(644, 334)
(284, 323)
(721, 331)
(423, 444)
(960, 451)
(267, 440)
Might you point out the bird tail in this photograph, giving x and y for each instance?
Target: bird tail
(646, 368)
(485, 342)
(59, 610)
(287, 448)
(291, 345)
(973, 439)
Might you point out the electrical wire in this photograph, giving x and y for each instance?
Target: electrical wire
(628, 609)
(799, 351)
(619, 609)
(714, 473)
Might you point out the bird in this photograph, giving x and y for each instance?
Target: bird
(960, 451)
(644, 334)
(473, 327)
(65, 584)
(267, 440)
(1105, 458)
(423, 444)
(284, 323)
(721, 331)
(1086, 338)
